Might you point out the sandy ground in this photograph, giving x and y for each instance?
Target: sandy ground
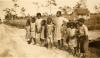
(13, 44)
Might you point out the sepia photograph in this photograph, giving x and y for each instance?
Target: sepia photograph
(49, 28)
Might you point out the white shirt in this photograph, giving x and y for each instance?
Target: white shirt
(50, 30)
(59, 21)
(71, 32)
(38, 24)
(32, 27)
(83, 30)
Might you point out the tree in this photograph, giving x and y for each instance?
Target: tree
(8, 15)
(14, 0)
(97, 8)
(15, 5)
(23, 11)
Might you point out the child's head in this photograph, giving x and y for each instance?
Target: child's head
(43, 22)
(38, 15)
(71, 25)
(68, 25)
(81, 21)
(33, 20)
(77, 24)
(58, 13)
(28, 22)
(49, 20)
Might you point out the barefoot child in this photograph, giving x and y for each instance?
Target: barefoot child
(28, 30)
(33, 31)
(58, 25)
(82, 37)
(50, 31)
(38, 28)
(72, 40)
(43, 32)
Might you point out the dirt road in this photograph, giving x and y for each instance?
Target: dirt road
(13, 44)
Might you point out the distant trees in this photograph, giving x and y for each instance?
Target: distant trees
(15, 5)
(23, 11)
(8, 13)
(97, 8)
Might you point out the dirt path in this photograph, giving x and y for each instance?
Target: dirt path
(13, 44)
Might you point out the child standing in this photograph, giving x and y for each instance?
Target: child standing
(50, 31)
(82, 37)
(38, 28)
(43, 32)
(58, 25)
(72, 40)
(28, 30)
(33, 31)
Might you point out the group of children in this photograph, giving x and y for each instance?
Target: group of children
(57, 32)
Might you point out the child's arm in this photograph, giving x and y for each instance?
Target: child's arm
(86, 30)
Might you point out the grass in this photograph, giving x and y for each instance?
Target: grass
(17, 23)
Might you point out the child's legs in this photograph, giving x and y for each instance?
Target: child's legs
(30, 41)
(38, 38)
(86, 44)
(82, 45)
(59, 44)
(52, 41)
(78, 44)
(33, 37)
(48, 42)
(62, 42)
(55, 43)
(27, 36)
(42, 41)
(34, 41)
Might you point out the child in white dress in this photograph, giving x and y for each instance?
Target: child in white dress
(58, 25)
(33, 31)
(72, 39)
(50, 31)
(38, 28)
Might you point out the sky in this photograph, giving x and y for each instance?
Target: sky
(32, 9)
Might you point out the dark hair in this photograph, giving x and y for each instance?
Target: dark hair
(38, 14)
(82, 20)
(43, 22)
(28, 22)
(33, 19)
(49, 20)
(71, 24)
(58, 12)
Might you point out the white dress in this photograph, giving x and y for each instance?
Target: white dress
(59, 21)
(50, 33)
(33, 34)
(83, 30)
(72, 41)
(38, 24)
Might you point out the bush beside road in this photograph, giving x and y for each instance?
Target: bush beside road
(16, 23)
